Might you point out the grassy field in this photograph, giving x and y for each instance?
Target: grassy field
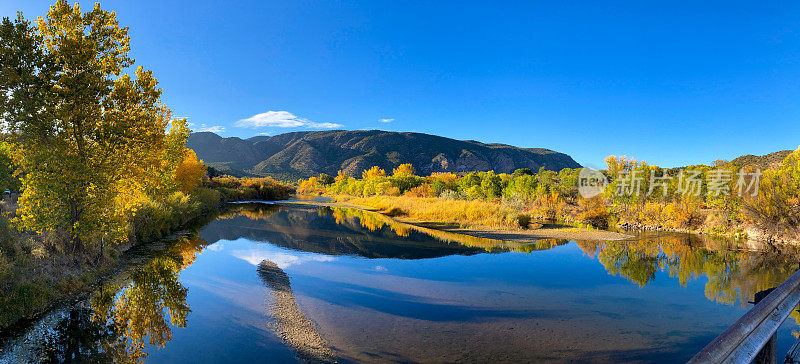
(467, 214)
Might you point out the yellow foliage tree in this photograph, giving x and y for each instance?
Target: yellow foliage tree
(86, 135)
(190, 172)
(341, 176)
(309, 185)
(373, 172)
(776, 207)
(405, 169)
(593, 211)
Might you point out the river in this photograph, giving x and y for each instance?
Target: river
(288, 283)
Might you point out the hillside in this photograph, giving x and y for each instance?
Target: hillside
(305, 154)
(761, 161)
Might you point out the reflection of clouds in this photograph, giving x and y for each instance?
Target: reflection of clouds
(283, 259)
(216, 247)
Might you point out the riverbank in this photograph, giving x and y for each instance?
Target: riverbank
(36, 276)
(35, 279)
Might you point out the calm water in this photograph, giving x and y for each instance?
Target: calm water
(271, 283)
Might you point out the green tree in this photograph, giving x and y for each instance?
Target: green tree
(491, 185)
(325, 179)
(8, 181)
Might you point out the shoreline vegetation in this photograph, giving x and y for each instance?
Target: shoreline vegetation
(34, 279)
(525, 203)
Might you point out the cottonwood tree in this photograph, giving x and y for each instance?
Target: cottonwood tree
(87, 136)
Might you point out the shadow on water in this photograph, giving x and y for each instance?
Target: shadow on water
(141, 307)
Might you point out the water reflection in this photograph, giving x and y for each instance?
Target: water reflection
(733, 275)
(121, 319)
(140, 310)
(336, 231)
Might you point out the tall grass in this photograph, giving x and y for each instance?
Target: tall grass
(465, 213)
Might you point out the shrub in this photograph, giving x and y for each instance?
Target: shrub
(593, 211)
(465, 213)
(523, 220)
(423, 190)
(452, 195)
(239, 189)
(156, 219)
(548, 206)
(684, 214)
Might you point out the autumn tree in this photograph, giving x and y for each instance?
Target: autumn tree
(373, 172)
(405, 169)
(85, 133)
(341, 177)
(776, 207)
(189, 173)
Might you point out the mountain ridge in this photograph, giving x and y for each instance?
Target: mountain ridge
(307, 153)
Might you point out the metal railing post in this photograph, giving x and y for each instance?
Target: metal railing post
(769, 353)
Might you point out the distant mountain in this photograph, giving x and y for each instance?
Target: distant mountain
(309, 153)
(763, 161)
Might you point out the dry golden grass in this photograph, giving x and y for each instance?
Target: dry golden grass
(474, 213)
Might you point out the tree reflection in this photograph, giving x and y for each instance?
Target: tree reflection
(733, 275)
(253, 211)
(122, 319)
(355, 219)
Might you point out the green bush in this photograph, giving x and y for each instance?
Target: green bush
(157, 219)
(523, 220)
(241, 189)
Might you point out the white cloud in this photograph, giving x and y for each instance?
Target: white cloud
(282, 119)
(203, 127)
(324, 125)
(386, 120)
(214, 129)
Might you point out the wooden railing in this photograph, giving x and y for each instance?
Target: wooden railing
(752, 337)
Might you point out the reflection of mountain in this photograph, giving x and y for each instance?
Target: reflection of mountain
(291, 324)
(316, 230)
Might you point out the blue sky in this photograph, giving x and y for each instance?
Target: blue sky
(672, 83)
